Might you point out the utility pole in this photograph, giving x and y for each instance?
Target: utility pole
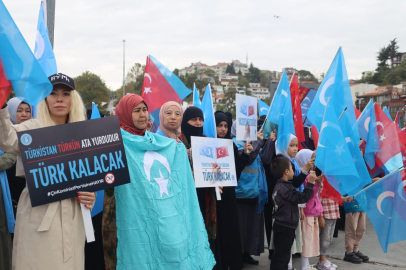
(49, 8)
(123, 67)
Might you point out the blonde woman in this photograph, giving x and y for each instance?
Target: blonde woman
(50, 236)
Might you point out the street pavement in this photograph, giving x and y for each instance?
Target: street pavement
(395, 258)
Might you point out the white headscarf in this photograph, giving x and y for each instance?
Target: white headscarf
(285, 151)
(12, 109)
(303, 156)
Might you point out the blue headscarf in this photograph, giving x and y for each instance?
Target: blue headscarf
(285, 154)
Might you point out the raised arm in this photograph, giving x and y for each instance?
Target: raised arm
(7, 161)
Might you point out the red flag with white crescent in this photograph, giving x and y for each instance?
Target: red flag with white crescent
(222, 151)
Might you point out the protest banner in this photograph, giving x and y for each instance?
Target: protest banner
(209, 154)
(61, 160)
(246, 110)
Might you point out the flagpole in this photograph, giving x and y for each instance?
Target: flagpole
(386, 176)
(342, 114)
(123, 67)
(50, 17)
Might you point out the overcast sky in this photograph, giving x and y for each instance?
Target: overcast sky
(89, 33)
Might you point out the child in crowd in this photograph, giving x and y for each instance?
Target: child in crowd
(327, 224)
(286, 212)
(309, 222)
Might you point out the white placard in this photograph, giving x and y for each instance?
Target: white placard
(246, 110)
(208, 154)
(87, 221)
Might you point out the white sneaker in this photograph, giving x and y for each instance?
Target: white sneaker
(311, 267)
(324, 266)
(332, 264)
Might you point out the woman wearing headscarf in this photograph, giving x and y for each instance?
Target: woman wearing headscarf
(170, 119)
(252, 195)
(230, 251)
(19, 112)
(132, 113)
(166, 231)
(49, 236)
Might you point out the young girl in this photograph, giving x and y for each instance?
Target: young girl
(310, 226)
(300, 176)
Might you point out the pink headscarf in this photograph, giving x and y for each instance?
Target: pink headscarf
(170, 133)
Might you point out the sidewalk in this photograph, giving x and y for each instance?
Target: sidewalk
(395, 258)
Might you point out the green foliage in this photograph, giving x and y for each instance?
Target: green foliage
(242, 81)
(396, 75)
(265, 78)
(254, 74)
(92, 89)
(133, 82)
(228, 103)
(267, 100)
(230, 69)
(393, 50)
(305, 75)
(176, 72)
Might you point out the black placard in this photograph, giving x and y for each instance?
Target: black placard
(61, 160)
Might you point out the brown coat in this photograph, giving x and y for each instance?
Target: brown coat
(50, 236)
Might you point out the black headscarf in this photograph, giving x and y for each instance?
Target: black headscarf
(220, 117)
(260, 121)
(187, 129)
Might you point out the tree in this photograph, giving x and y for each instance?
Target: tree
(254, 74)
(176, 72)
(305, 75)
(239, 73)
(92, 89)
(265, 78)
(230, 69)
(383, 56)
(396, 75)
(228, 103)
(133, 82)
(393, 50)
(242, 81)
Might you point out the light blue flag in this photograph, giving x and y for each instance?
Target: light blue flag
(305, 105)
(334, 157)
(29, 81)
(280, 113)
(43, 50)
(159, 222)
(263, 108)
(196, 97)
(209, 124)
(316, 111)
(7, 202)
(384, 203)
(98, 205)
(386, 111)
(368, 132)
(358, 160)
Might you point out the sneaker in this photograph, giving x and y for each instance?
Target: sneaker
(332, 264)
(311, 267)
(364, 258)
(324, 266)
(352, 258)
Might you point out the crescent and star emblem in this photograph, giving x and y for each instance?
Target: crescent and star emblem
(148, 89)
(149, 158)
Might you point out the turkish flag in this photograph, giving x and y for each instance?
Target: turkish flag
(388, 138)
(303, 91)
(315, 135)
(5, 86)
(222, 151)
(251, 110)
(156, 90)
(297, 110)
(328, 192)
(357, 112)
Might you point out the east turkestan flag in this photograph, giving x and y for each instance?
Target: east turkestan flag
(159, 223)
